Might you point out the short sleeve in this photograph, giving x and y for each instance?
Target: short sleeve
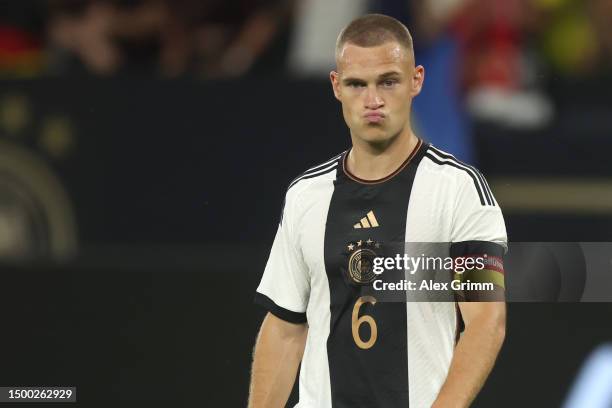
(477, 217)
(285, 286)
(479, 232)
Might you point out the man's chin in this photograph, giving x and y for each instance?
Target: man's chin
(376, 137)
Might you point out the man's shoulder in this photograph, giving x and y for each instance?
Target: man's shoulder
(310, 186)
(321, 172)
(448, 165)
(458, 175)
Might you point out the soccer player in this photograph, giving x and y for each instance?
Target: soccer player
(390, 186)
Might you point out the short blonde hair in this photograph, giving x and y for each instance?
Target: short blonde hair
(373, 30)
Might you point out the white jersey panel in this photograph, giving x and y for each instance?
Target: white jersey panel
(431, 325)
(314, 382)
(450, 202)
(286, 280)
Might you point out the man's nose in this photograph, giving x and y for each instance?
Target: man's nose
(373, 99)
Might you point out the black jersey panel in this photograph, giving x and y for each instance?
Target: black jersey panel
(367, 344)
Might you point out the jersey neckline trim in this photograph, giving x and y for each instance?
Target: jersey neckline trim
(351, 176)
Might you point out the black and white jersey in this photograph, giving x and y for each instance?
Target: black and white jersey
(359, 352)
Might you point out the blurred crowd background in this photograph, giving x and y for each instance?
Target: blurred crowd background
(509, 59)
(146, 145)
(506, 44)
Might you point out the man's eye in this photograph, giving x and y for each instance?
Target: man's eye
(389, 82)
(355, 85)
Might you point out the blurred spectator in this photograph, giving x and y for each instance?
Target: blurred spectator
(225, 39)
(211, 38)
(568, 37)
(574, 40)
(577, 36)
(21, 51)
(500, 74)
(81, 32)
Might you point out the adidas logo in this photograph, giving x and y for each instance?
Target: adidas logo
(369, 221)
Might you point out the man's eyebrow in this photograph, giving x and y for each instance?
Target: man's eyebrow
(350, 80)
(386, 75)
(389, 74)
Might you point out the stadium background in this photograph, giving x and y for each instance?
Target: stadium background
(145, 147)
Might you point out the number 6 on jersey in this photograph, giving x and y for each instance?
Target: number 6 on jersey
(357, 321)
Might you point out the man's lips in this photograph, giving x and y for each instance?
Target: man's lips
(374, 117)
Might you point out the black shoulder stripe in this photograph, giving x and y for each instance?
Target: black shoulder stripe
(483, 188)
(488, 188)
(313, 174)
(304, 177)
(453, 164)
(330, 161)
(483, 183)
(318, 167)
(318, 170)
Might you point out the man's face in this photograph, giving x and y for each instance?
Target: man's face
(375, 86)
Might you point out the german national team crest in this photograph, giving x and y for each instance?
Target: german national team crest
(361, 261)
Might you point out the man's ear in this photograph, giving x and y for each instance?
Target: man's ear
(334, 77)
(417, 80)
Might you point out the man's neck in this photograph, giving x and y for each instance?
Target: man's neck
(373, 162)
